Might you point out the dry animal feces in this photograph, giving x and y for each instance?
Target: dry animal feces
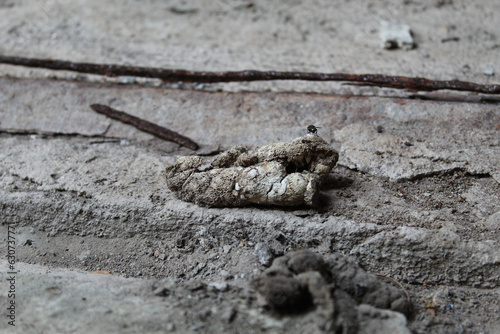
(285, 174)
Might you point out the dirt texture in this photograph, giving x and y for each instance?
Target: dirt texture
(404, 236)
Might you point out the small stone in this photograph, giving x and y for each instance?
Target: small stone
(127, 80)
(489, 72)
(396, 36)
(263, 253)
(220, 286)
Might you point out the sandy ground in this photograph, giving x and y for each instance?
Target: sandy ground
(415, 195)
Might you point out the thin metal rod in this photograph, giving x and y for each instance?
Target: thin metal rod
(176, 75)
(145, 126)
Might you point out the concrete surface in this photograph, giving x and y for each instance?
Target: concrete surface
(415, 196)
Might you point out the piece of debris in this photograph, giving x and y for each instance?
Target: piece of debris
(145, 126)
(396, 36)
(218, 286)
(285, 174)
(182, 9)
(263, 253)
(489, 72)
(54, 290)
(450, 39)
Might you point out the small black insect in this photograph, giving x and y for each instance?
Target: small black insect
(311, 129)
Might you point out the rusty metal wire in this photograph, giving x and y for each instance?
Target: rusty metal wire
(178, 75)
